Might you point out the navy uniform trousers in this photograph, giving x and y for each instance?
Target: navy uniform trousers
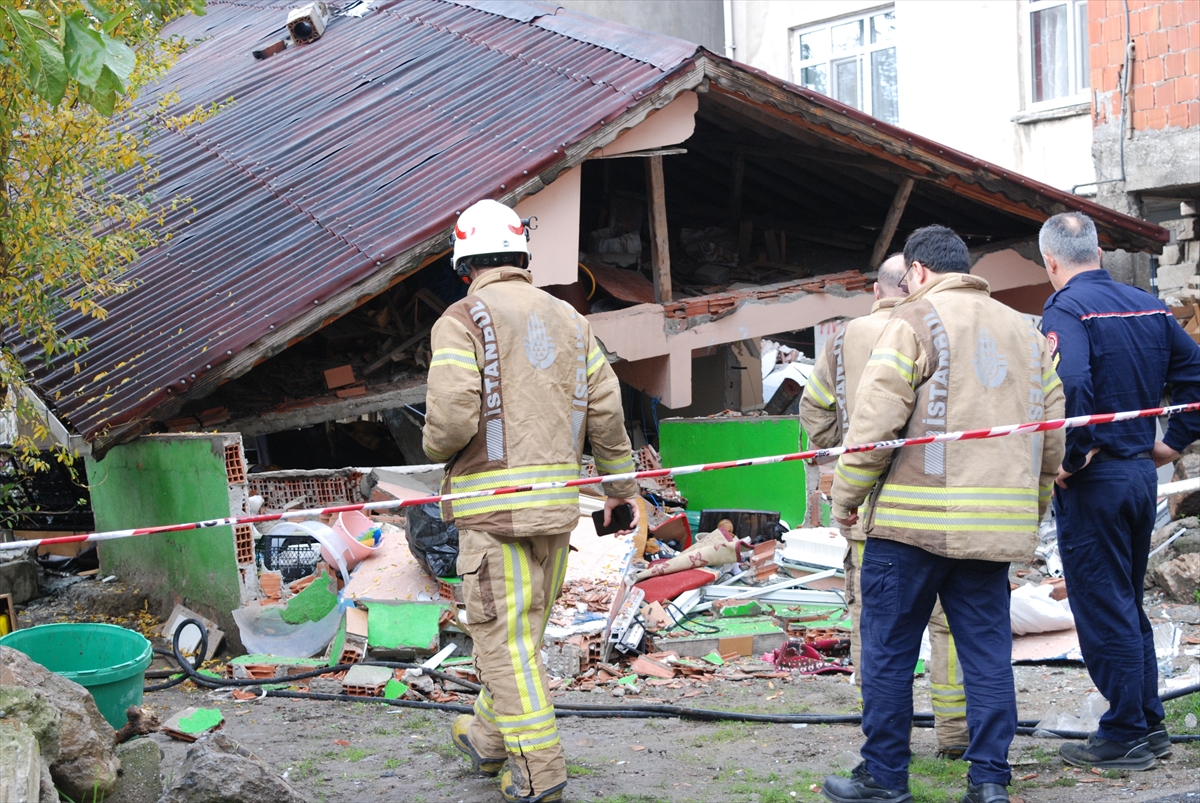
(900, 584)
(1105, 520)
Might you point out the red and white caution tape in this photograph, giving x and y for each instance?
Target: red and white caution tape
(968, 435)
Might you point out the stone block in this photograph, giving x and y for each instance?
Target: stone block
(1170, 256)
(1180, 577)
(1187, 544)
(1175, 276)
(21, 769)
(140, 780)
(218, 769)
(18, 576)
(36, 711)
(1190, 251)
(86, 763)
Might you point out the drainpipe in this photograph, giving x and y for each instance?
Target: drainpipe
(729, 44)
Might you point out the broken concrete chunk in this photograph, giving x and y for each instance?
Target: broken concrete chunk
(218, 770)
(366, 681)
(320, 685)
(85, 762)
(18, 576)
(36, 711)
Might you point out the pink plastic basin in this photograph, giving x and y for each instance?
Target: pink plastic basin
(348, 526)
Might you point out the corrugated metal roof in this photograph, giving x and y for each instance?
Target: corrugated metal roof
(330, 160)
(333, 161)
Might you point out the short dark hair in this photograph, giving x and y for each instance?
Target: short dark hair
(939, 249)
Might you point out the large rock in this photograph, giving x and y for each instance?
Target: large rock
(18, 576)
(37, 712)
(219, 770)
(141, 778)
(85, 765)
(21, 769)
(1187, 544)
(1180, 577)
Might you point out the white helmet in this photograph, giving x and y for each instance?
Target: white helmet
(486, 229)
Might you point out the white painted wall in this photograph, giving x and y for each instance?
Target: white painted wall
(962, 68)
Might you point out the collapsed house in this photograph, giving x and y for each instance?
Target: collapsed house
(688, 204)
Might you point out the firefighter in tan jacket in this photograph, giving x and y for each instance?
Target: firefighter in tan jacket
(825, 410)
(516, 383)
(943, 520)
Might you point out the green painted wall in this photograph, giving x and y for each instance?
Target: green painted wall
(686, 441)
(169, 479)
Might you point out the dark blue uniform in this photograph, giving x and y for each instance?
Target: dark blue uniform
(1116, 348)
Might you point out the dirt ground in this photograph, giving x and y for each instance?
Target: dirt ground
(334, 751)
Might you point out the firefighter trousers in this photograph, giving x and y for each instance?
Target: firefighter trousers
(945, 675)
(509, 586)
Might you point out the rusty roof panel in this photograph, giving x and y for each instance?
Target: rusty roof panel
(328, 161)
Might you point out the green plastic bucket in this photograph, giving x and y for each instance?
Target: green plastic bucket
(107, 660)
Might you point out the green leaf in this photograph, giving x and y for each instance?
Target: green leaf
(102, 99)
(36, 20)
(83, 49)
(111, 24)
(40, 59)
(119, 58)
(110, 82)
(96, 10)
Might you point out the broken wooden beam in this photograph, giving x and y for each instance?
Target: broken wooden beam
(660, 244)
(892, 221)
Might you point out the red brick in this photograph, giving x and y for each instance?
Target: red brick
(1150, 19)
(1143, 97)
(1177, 39)
(1193, 29)
(1156, 119)
(1187, 88)
(1153, 70)
(1139, 121)
(1174, 65)
(1169, 16)
(1190, 11)
(1177, 116)
(1194, 114)
(1109, 29)
(1115, 53)
(1164, 94)
(1113, 8)
(1156, 43)
(1192, 62)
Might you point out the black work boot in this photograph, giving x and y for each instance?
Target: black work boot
(1159, 741)
(860, 787)
(1108, 755)
(985, 793)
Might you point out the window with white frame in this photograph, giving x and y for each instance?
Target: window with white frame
(1058, 51)
(851, 59)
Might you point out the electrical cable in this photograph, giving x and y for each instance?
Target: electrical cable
(582, 710)
(584, 268)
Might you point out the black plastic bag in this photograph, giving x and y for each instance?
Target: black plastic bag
(433, 542)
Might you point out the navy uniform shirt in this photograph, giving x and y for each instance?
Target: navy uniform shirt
(1115, 348)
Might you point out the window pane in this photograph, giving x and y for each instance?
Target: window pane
(815, 78)
(1082, 64)
(845, 82)
(883, 27)
(1048, 35)
(814, 45)
(847, 36)
(885, 95)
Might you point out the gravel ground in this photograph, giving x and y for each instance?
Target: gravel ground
(393, 754)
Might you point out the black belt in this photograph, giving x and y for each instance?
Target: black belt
(1102, 455)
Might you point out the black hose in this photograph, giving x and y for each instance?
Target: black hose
(201, 651)
(583, 710)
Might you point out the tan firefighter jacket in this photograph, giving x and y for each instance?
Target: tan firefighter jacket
(828, 400)
(952, 358)
(516, 382)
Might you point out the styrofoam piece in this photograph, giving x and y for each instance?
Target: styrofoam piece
(815, 546)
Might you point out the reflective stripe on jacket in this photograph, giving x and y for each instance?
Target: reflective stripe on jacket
(952, 358)
(516, 382)
(828, 400)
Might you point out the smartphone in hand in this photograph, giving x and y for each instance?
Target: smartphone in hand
(622, 519)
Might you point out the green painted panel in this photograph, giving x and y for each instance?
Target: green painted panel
(168, 480)
(686, 441)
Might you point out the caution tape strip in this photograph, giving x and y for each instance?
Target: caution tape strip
(946, 437)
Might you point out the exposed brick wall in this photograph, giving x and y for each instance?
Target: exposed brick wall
(1165, 89)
